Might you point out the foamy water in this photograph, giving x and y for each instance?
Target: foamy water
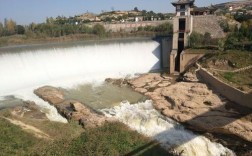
(67, 67)
(143, 118)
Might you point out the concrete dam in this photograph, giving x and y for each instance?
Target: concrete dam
(22, 67)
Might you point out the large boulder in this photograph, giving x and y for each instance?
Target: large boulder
(50, 94)
(71, 109)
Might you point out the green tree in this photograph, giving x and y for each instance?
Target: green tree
(144, 12)
(10, 27)
(161, 16)
(49, 20)
(165, 27)
(20, 29)
(108, 19)
(99, 30)
(195, 40)
(1, 29)
(224, 25)
(207, 38)
(221, 45)
(136, 9)
(230, 42)
(85, 29)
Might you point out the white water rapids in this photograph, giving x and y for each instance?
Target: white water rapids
(146, 120)
(22, 72)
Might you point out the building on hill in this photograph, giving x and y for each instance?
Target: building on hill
(89, 17)
(203, 10)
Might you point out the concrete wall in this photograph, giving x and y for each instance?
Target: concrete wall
(175, 33)
(131, 26)
(229, 92)
(188, 59)
(172, 61)
(208, 23)
(166, 52)
(189, 29)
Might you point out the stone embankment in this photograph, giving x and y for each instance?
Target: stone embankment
(208, 23)
(71, 109)
(195, 105)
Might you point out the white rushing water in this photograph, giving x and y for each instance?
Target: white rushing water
(74, 64)
(172, 136)
(22, 72)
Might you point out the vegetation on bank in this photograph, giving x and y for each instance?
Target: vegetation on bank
(228, 54)
(12, 34)
(228, 61)
(71, 139)
(238, 37)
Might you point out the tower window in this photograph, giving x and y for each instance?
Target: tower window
(182, 7)
(182, 13)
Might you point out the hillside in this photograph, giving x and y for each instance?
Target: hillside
(233, 67)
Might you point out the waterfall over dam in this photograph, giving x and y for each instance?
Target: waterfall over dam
(32, 67)
(23, 69)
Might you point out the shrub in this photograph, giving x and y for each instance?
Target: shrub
(99, 30)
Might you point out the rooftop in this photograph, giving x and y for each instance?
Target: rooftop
(183, 2)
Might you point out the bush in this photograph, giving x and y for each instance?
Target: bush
(195, 40)
(20, 29)
(165, 27)
(224, 25)
(99, 30)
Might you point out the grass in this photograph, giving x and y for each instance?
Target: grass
(14, 141)
(229, 76)
(112, 139)
(236, 60)
(70, 139)
(241, 80)
(239, 59)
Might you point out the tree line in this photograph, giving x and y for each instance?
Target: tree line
(62, 26)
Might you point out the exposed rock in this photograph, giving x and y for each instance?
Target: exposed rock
(28, 110)
(141, 90)
(117, 82)
(86, 117)
(50, 94)
(194, 104)
(164, 84)
(71, 109)
(190, 77)
(149, 82)
(220, 62)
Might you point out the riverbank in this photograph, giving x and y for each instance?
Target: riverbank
(25, 130)
(200, 109)
(141, 117)
(16, 40)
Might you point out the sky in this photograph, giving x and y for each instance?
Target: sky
(26, 11)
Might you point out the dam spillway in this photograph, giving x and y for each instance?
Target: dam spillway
(66, 65)
(24, 69)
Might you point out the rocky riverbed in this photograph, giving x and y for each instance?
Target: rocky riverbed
(199, 108)
(189, 102)
(71, 109)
